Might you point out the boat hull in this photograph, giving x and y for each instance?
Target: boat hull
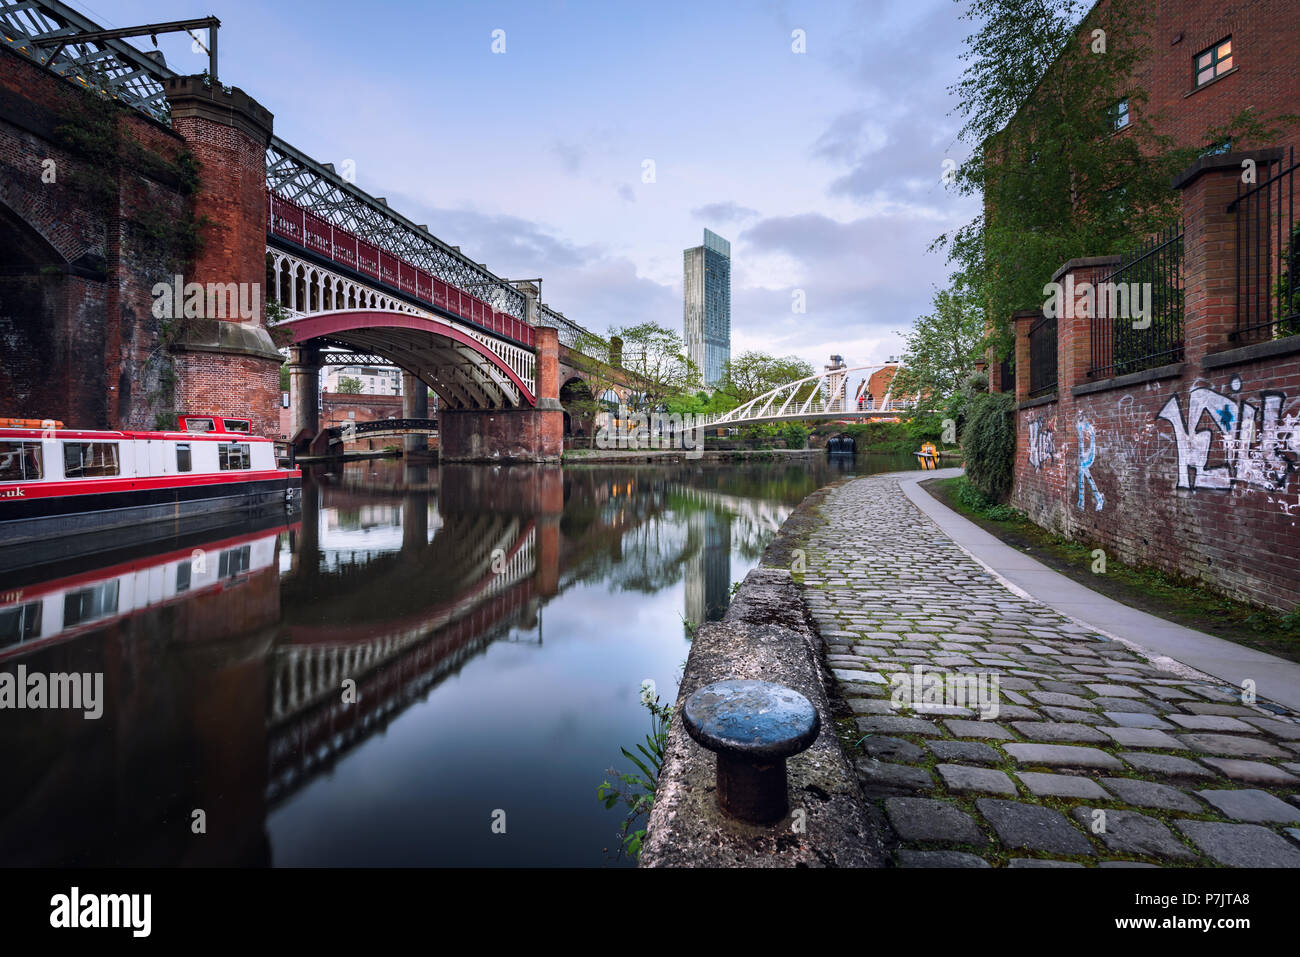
(43, 529)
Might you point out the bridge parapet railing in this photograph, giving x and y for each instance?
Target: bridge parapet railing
(571, 334)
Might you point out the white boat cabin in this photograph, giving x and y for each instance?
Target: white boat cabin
(208, 445)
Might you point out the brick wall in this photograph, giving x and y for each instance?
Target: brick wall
(335, 407)
(80, 339)
(1265, 37)
(1193, 467)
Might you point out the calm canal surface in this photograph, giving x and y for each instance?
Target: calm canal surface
(497, 624)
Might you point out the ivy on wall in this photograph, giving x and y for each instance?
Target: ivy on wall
(165, 237)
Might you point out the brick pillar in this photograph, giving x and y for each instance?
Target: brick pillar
(511, 435)
(304, 394)
(415, 405)
(230, 365)
(1075, 323)
(547, 344)
(1021, 321)
(1209, 248)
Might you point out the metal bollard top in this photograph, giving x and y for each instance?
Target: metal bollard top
(752, 720)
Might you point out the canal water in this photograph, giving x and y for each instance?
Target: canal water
(427, 666)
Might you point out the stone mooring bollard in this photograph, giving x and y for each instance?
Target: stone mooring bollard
(752, 726)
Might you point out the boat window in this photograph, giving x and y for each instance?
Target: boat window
(183, 457)
(235, 561)
(20, 624)
(233, 455)
(237, 425)
(90, 459)
(184, 572)
(20, 461)
(199, 425)
(90, 604)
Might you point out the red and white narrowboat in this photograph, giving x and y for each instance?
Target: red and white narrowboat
(59, 484)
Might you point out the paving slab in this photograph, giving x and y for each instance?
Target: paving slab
(1033, 827)
(924, 819)
(1241, 845)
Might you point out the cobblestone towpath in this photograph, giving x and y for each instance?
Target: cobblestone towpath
(1098, 755)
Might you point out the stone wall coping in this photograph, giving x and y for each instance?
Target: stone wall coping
(1171, 371)
(1085, 262)
(192, 96)
(1041, 400)
(1254, 352)
(1222, 161)
(225, 336)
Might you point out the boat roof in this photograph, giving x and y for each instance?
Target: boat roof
(107, 435)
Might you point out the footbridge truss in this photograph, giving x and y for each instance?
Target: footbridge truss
(821, 396)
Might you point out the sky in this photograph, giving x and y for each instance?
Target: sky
(822, 167)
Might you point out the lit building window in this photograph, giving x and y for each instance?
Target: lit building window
(1214, 62)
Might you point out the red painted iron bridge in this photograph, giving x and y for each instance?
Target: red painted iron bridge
(289, 221)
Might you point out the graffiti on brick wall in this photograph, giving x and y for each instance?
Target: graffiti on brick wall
(1087, 456)
(1042, 442)
(1260, 442)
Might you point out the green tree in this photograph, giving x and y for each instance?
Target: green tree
(349, 385)
(941, 349)
(657, 365)
(753, 373)
(1065, 153)
(593, 357)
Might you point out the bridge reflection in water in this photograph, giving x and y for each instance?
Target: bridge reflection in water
(224, 663)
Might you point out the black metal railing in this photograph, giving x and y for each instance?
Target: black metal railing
(1268, 255)
(1007, 375)
(1139, 309)
(1042, 356)
(384, 425)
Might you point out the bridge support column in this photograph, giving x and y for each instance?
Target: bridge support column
(304, 394)
(226, 360)
(415, 405)
(511, 435)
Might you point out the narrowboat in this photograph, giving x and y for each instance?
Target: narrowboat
(37, 615)
(64, 491)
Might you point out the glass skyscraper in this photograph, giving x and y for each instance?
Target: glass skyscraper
(707, 307)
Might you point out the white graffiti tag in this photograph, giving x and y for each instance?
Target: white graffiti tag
(1260, 445)
(1042, 442)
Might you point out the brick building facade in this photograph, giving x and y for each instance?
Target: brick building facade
(1192, 466)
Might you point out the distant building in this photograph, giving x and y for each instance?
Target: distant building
(873, 391)
(375, 380)
(706, 283)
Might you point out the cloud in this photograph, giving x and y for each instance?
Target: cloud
(895, 141)
(864, 280)
(571, 155)
(627, 193)
(728, 212)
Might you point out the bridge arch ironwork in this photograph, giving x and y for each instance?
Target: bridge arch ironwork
(465, 369)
